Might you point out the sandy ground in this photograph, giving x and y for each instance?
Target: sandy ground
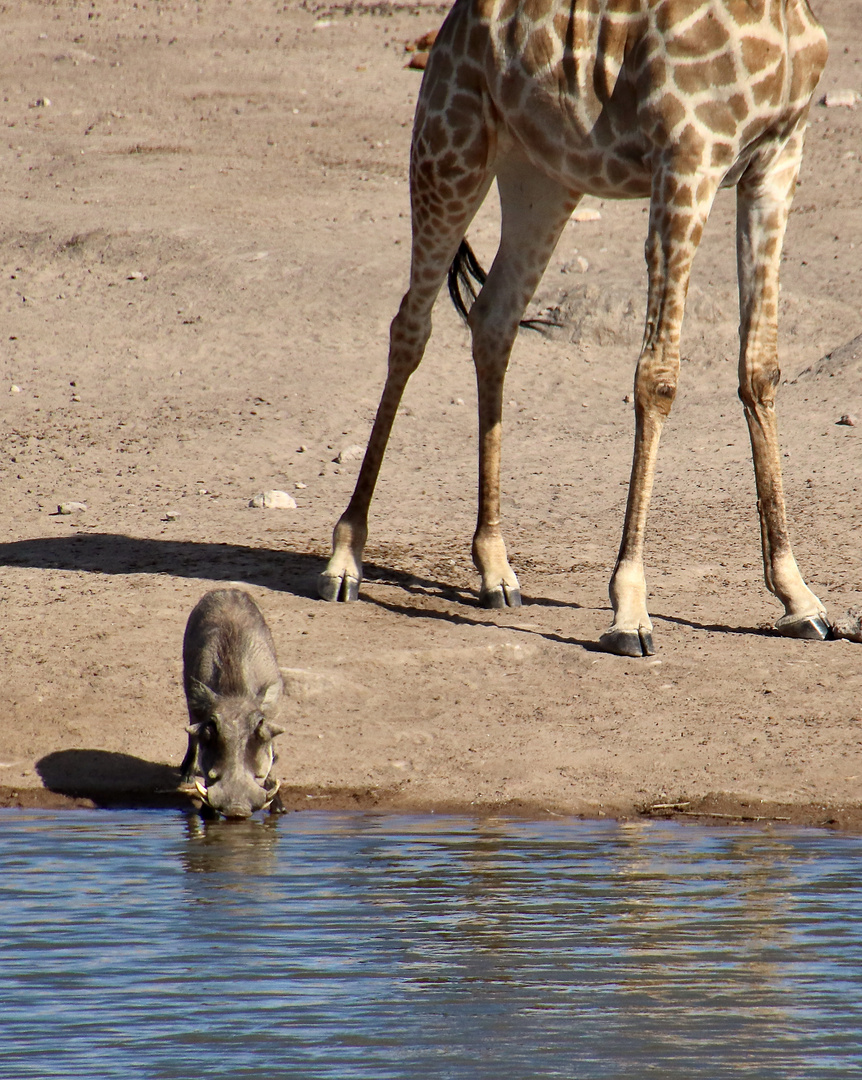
(204, 237)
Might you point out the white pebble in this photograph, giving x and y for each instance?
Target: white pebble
(14, 389)
(847, 99)
(587, 214)
(71, 508)
(350, 453)
(273, 500)
(171, 515)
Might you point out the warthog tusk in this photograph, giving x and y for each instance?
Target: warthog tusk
(271, 794)
(202, 791)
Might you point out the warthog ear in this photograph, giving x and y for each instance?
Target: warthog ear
(201, 698)
(268, 699)
(268, 731)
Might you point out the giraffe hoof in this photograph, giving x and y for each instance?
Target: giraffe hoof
(502, 596)
(812, 628)
(335, 587)
(628, 642)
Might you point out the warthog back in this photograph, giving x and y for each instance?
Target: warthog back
(233, 688)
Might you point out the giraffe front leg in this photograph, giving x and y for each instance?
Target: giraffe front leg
(409, 334)
(763, 204)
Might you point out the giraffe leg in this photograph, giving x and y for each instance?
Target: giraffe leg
(763, 205)
(534, 211)
(408, 335)
(679, 208)
(444, 199)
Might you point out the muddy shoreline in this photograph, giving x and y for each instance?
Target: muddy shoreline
(716, 809)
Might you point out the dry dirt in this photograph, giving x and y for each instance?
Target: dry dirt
(204, 237)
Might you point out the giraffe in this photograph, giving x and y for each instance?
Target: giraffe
(668, 100)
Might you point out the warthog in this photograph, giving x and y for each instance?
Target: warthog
(233, 688)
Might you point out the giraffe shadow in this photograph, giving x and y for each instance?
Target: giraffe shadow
(718, 628)
(457, 619)
(287, 571)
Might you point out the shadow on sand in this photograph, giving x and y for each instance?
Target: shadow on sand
(110, 779)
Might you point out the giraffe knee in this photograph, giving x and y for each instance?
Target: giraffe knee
(655, 394)
(759, 387)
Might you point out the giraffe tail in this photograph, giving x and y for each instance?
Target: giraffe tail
(466, 273)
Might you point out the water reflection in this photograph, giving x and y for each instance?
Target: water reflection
(343, 946)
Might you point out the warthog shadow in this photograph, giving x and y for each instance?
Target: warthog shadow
(111, 779)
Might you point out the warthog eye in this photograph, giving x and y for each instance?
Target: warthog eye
(207, 732)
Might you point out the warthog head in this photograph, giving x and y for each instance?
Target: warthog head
(231, 766)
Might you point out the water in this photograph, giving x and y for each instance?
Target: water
(150, 945)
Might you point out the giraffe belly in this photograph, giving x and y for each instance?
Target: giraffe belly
(618, 168)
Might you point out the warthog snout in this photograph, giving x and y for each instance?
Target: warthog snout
(233, 688)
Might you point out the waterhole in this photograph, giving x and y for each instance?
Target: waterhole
(316, 945)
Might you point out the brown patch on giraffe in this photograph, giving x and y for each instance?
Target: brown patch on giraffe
(806, 68)
(536, 10)
(617, 171)
(539, 52)
(743, 12)
(665, 115)
(758, 54)
(722, 156)
(769, 89)
(718, 71)
(670, 13)
(707, 35)
(610, 50)
(683, 196)
(691, 147)
(477, 41)
(511, 89)
(508, 10)
(705, 190)
(739, 106)
(718, 117)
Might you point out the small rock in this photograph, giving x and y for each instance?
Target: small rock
(628, 399)
(587, 214)
(203, 491)
(837, 99)
(849, 626)
(350, 453)
(583, 264)
(457, 401)
(75, 397)
(300, 486)
(40, 103)
(136, 275)
(424, 43)
(171, 515)
(273, 500)
(71, 508)
(418, 61)
(848, 420)
(14, 389)
(302, 449)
